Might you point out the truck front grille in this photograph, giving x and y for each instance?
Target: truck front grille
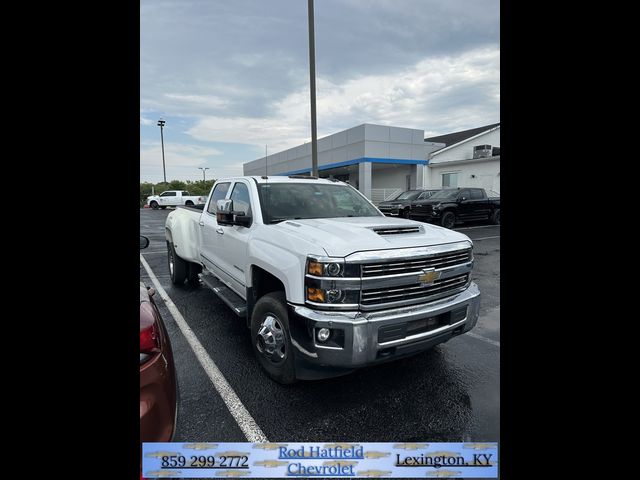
(413, 291)
(441, 260)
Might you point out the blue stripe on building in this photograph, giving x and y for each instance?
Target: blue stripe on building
(356, 161)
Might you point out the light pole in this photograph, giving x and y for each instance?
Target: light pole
(161, 123)
(204, 175)
(312, 90)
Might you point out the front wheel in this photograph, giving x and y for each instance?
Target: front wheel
(154, 205)
(448, 219)
(405, 213)
(270, 337)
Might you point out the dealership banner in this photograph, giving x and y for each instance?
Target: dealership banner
(307, 460)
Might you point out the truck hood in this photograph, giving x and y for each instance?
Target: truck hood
(434, 202)
(395, 202)
(340, 237)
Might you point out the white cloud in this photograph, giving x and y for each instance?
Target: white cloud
(202, 101)
(181, 155)
(439, 95)
(145, 121)
(182, 162)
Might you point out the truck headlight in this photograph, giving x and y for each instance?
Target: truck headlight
(333, 269)
(330, 269)
(332, 283)
(333, 296)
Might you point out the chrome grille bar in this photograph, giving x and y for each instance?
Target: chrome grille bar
(416, 265)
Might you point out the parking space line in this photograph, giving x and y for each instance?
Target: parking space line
(484, 238)
(244, 419)
(484, 339)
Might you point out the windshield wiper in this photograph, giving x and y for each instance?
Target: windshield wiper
(277, 220)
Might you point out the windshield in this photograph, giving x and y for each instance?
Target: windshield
(289, 201)
(409, 195)
(444, 195)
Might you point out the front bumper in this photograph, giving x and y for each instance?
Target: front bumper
(391, 211)
(376, 337)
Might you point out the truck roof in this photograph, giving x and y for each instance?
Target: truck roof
(283, 179)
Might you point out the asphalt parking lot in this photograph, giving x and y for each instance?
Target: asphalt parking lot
(451, 393)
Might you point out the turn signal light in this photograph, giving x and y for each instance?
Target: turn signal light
(315, 268)
(315, 294)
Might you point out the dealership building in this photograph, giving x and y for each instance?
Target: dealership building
(382, 161)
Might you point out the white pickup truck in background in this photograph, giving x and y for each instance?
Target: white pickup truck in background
(326, 283)
(174, 198)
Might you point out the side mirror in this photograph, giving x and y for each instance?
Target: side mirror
(461, 199)
(223, 212)
(242, 219)
(225, 215)
(144, 242)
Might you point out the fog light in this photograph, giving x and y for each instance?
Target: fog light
(323, 334)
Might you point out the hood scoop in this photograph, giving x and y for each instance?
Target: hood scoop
(398, 230)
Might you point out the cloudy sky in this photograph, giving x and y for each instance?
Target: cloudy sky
(230, 76)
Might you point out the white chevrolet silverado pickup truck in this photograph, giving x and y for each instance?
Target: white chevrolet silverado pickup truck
(174, 198)
(325, 282)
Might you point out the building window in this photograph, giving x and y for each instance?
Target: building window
(449, 180)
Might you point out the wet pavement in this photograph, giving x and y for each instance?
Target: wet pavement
(450, 393)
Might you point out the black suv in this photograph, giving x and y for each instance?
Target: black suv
(401, 205)
(455, 205)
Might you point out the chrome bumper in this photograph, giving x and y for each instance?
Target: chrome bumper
(361, 331)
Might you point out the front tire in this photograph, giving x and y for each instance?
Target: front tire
(154, 205)
(405, 213)
(448, 219)
(270, 337)
(178, 268)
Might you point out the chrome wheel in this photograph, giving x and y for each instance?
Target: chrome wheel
(270, 340)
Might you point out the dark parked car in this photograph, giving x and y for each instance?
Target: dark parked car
(401, 205)
(158, 387)
(454, 205)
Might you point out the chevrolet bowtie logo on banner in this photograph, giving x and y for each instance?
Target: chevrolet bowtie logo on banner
(328, 460)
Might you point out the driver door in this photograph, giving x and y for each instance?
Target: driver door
(236, 238)
(211, 234)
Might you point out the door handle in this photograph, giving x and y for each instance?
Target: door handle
(201, 224)
(220, 230)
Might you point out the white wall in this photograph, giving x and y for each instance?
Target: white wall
(486, 174)
(395, 177)
(465, 149)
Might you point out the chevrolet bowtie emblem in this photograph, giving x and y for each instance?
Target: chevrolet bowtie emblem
(428, 276)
